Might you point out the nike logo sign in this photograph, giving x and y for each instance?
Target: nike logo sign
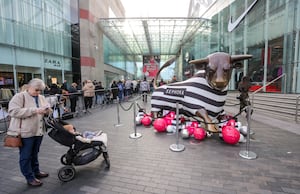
(233, 25)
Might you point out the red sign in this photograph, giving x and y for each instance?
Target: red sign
(151, 65)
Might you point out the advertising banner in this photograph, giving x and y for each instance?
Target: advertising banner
(151, 65)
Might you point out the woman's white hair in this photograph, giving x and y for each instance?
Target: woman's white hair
(37, 83)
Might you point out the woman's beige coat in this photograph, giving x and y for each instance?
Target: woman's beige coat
(32, 123)
(88, 89)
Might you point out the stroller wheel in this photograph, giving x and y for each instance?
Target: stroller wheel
(65, 160)
(66, 173)
(106, 158)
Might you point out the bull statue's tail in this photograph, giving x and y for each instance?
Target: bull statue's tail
(168, 63)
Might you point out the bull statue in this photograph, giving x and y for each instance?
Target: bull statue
(202, 95)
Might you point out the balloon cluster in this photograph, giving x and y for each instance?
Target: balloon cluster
(143, 118)
(232, 132)
(193, 129)
(187, 128)
(166, 123)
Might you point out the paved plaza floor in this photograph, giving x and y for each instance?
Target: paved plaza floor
(147, 165)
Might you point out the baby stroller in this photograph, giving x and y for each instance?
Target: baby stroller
(107, 97)
(82, 150)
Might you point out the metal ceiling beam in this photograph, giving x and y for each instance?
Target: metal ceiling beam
(146, 29)
(139, 36)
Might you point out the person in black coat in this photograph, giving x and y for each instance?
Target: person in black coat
(73, 96)
(114, 89)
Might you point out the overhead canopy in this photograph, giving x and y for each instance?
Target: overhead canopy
(152, 36)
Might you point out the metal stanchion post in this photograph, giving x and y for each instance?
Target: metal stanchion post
(134, 135)
(246, 153)
(177, 147)
(118, 116)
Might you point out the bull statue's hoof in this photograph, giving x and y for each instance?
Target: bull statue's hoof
(212, 128)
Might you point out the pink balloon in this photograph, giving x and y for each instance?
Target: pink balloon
(190, 130)
(199, 133)
(194, 124)
(172, 114)
(230, 134)
(146, 121)
(160, 125)
(168, 120)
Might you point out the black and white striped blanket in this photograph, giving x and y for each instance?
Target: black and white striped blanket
(192, 95)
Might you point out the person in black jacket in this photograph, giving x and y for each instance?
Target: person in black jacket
(114, 89)
(73, 96)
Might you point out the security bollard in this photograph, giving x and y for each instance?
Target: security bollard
(177, 147)
(246, 153)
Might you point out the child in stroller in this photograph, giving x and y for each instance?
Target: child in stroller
(83, 148)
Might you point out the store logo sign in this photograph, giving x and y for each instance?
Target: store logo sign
(233, 25)
(52, 62)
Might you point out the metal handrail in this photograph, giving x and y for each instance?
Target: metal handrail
(297, 106)
(274, 80)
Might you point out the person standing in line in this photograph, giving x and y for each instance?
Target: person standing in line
(174, 79)
(73, 96)
(144, 88)
(120, 90)
(88, 94)
(99, 93)
(134, 86)
(152, 85)
(161, 82)
(96, 96)
(243, 88)
(65, 85)
(114, 90)
(27, 110)
(128, 86)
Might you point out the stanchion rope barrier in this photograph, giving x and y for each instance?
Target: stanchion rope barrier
(132, 102)
(126, 109)
(224, 121)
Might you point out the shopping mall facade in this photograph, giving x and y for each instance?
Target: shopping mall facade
(269, 31)
(61, 40)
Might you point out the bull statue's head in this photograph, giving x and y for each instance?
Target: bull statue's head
(218, 67)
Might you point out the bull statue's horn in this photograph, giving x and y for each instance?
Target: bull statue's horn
(199, 61)
(235, 58)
